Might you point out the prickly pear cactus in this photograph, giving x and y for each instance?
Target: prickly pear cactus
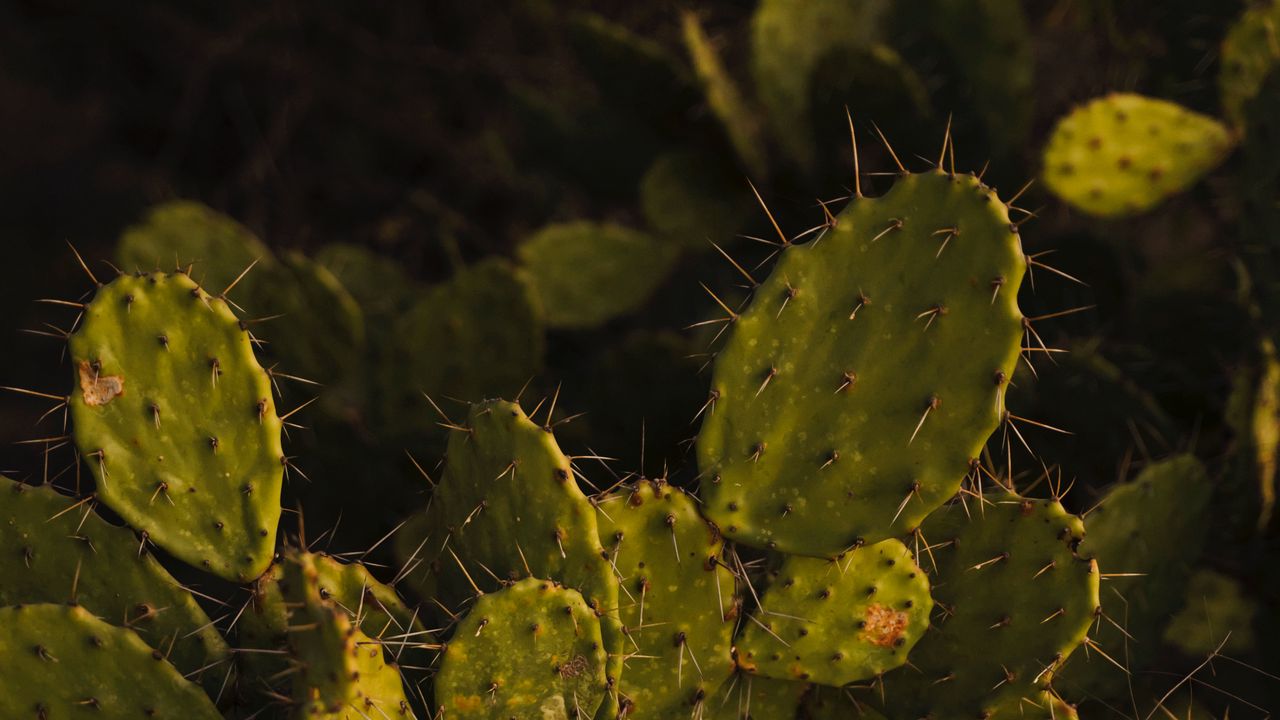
(690, 201)
(174, 416)
(825, 703)
(530, 650)
(723, 97)
(1013, 599)
(679, 609)
(1147, 533)
(62, 662)
(1123, 153)
(751, 697)
(868, 371)
(834, 622)
(179, 233)
(587, 273)
(58, 550)
(1217, 615)
(1249, 52)
(508, 507)
(340, 669)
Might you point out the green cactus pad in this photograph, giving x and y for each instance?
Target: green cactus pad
(867, 373)
(689, 200)
(1146, 534)
(587, 273)
(478, 335)
(1122, 154)
(1214, 605)
(834, 622)
(340, 669)
(825, 703)
(530, 650)
(375, 607)
(725, 100)
(377, 283)
(55, 551)
(678, 606)
(789, 40)
(174, 416)
(1249, 52)
(181, 232)
(62, 662)
(506, 507)
(750, 697)
(1012, 600)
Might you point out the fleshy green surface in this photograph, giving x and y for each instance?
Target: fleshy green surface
(175, 418)
(1249, 52)
(1012, 600)
(179, 233)
(1215, 605)
(868, 371)
(688, 199)
(54, 552)
(62, 662)
(723, 97)
(834, 622)
(1146, 534)
(379, 284)
(677, 600)
(789, 40)
(749, 697)
(826, 703)
(588, 273)
(508, 507)
(530, 650)
(1121, 154)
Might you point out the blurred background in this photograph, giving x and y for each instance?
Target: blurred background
(469, 199)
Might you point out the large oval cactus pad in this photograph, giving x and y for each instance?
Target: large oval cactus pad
(868, 372)
(173, 414)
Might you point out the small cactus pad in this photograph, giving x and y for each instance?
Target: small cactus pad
(174, 415)
(1122, 154)
(691, 201)
(180, 232)
(530, 650)
(1215, 605)
(53, 549)
(62, 662)
(508, 506)
(1145, 534)
(340, 669)
(1249, 52)
(1013, 599)
(587, 273)
(750, 697)
(868, 371)
(678, 601)
(379, 611)
(723, 97)
(837, 621)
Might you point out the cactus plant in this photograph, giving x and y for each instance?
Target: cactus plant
(176, 420)
(1249, 52)
(61, 661)
(868, 371)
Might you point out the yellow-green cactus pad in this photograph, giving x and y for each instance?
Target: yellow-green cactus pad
(1012, 600)
(1249, 52)
(62, 662)
(530, 650)
(174, 416)
(179, 233)
(58, 550)
(1123, 153)
(834, 622)
(677, 603)
(587, 273)
(867, 373)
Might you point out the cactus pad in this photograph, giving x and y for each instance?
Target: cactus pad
(62, 662)
(587, 273)
(741, 127)
(1012, 600)
(867, 373)
(508, 507)
(175, 417)
(679, 599)
(834, 622)
(1215, 605)
(1145, 533)
(749, 697)
(1249, 52)
(1122, 154)
(179, 232)
(689, 200)
(530, 650)
(57, 552)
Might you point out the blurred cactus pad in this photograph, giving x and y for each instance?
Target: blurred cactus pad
(766, 360)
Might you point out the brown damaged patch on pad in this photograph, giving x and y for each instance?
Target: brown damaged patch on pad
(884, 625)
(99, 389)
